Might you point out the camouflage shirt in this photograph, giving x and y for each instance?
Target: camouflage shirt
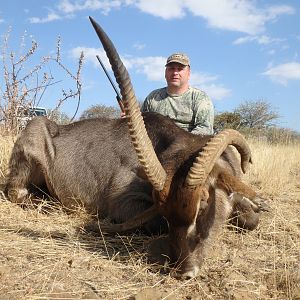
(192, 111)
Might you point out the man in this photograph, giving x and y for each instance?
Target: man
(189, 107)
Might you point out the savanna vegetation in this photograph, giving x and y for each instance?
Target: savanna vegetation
(47, 252)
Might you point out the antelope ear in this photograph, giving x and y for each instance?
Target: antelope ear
(140, 172)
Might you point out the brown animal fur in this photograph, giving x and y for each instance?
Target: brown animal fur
(77, 167)
(93, 162)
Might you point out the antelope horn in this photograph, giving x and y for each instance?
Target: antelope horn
(206, 159)
(139, 137)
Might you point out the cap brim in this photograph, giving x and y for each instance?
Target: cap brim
(176, 61)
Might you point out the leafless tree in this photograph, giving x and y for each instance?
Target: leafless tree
(24, 83)
(256, 114)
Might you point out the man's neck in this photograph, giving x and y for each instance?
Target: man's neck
(174, 90)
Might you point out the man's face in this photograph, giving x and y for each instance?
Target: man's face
(177, 75)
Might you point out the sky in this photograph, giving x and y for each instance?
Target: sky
(240, 50)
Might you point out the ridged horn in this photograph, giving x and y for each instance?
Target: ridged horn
(206, 159)
(139, 137)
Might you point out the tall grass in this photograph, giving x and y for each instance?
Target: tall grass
(6, 144)
(276, 167)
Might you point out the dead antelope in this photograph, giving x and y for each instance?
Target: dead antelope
(142, 170)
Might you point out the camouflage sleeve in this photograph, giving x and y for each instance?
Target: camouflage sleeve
(146, 105)
(204, 116)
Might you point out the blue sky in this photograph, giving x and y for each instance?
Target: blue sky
(239, 50)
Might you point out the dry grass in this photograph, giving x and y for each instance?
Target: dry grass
(45, 253)
(276, 168)
(6, 144)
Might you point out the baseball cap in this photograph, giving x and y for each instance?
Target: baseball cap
(180, 58)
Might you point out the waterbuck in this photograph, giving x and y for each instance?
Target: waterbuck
(140, 170)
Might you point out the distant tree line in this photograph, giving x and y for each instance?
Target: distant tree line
(250, 114)
(100, 111)
(256, 119)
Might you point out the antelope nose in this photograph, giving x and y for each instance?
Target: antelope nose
(187, 274)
